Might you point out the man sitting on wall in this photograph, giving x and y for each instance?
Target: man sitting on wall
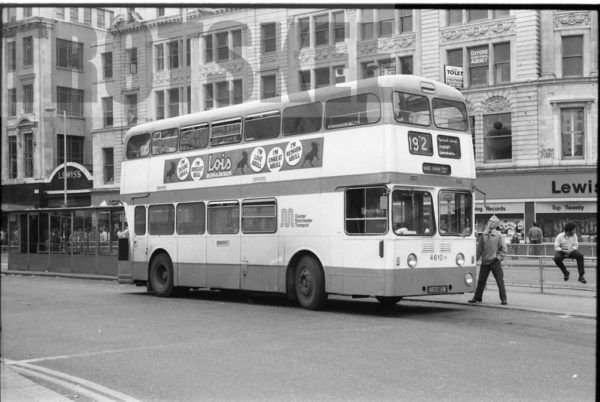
(565, 246)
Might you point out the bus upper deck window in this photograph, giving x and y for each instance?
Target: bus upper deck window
(411, 109)
(262, 126)
(164, 141)
(450, 114)
(138, 146)
(352, 111)
(302, 119)
(226, 132)
(195, 137)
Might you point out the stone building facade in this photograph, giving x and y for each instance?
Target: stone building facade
(535, 71)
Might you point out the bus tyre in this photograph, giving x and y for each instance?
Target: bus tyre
(161, 276)
(310, 284)
(388, 300)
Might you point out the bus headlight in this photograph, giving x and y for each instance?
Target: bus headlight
(411, 260)
(460, 259)
(469, 280)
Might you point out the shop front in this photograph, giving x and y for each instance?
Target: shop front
(550, 199)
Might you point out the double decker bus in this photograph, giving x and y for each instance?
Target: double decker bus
(363, 189)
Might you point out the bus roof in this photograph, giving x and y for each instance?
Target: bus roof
(408, 83)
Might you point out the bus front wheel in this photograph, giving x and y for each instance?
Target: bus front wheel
(310, 284)
(161, 276)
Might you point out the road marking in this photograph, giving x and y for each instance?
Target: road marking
(78, 385)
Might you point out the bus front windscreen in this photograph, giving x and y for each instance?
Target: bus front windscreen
(455, 211)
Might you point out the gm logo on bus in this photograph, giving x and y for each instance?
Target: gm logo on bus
(290, 155)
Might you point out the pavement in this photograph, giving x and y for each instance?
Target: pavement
(562, 302)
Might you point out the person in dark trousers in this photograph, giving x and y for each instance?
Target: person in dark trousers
(566, 245)
(535, 236)
(491, 248)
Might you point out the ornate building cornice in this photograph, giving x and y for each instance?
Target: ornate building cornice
(317, 55)
(481, 30)
(215, 70)
(41, 24)
(386, 45)
(572, 19)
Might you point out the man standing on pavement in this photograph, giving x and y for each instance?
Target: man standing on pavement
(491, 248)
(566, 245)
(535, 237)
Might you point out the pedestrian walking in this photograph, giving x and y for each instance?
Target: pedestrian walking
(491, 248)
(566, 245)
(535, 236)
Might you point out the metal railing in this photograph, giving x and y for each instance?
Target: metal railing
(541, 272)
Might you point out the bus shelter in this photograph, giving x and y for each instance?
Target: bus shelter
(81, 240)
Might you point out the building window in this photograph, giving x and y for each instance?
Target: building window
(339, 74)
(173, 102)
(159, 57)
(498, 137)
(107, 111)
(71, 100)
(28, 51)
(69, 54)
(173, 54)
(502, 63)
(321, 30)
(188, 52)
(478, 65)
(28, 99)
(455, 57)
(238, 92)
(208, 97)
(132, 61)
(339, 27)
(269, 37)
(304, 77)
(189, 99)
(87, 16)
(131, 108)
(27, 12)
(74, 149)
(222, 47)
(160, 11)
(321, 77)
(477, 14)
(208, 49)
(107, 65)
(572, 132)
(100, 21)
(109, 165)
(572, 56)
(500, 13)
(304, 32)
(11, 56)
(236, 44)
(222, 94)
(406, 24)
(59, 12)
(269, 86)
(28, 154)
(160, 105)
(12, 102)
(12, 14)
(386, 22)
(74, 14)
(12, 157)
(454, 16)
(406, 65)
(367, 25)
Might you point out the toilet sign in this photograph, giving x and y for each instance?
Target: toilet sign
(453, 76)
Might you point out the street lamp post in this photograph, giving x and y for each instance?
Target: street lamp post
(51, 109)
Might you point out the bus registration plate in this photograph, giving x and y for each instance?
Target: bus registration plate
(438, 289)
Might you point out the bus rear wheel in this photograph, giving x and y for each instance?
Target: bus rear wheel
(388, 300)
(161, 276)
(310, 284)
